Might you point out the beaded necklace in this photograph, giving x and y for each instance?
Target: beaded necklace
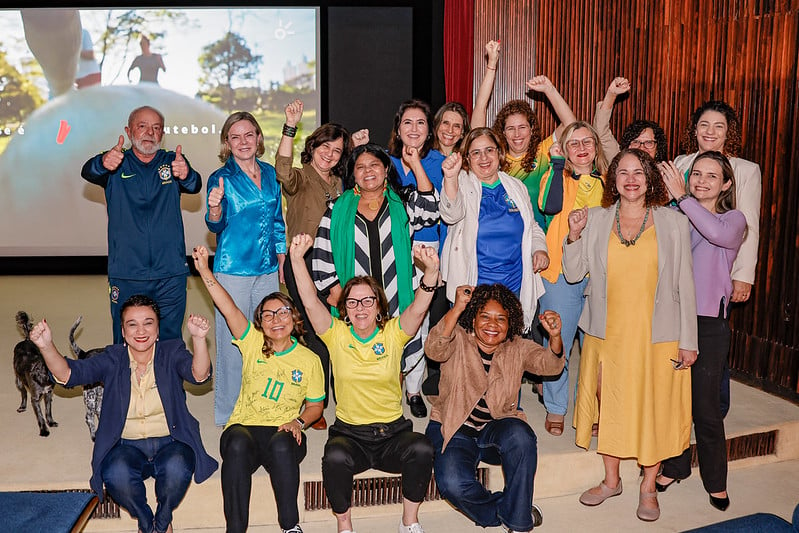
(632, 241)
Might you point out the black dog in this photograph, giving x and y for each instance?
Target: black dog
(92, 394)
(32, 376)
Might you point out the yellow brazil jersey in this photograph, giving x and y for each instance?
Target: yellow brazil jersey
(367, 372)
(273, 388)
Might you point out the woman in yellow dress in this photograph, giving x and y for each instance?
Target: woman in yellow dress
(640, 326)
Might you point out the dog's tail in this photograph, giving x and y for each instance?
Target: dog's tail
(75, 348)
(24, 324)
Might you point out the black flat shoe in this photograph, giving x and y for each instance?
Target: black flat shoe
(662, 488)
(720, 503)
(418, 408)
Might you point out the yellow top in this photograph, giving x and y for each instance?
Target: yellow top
(274, 388)
(586, 191)
(367, 372)
(146, 417)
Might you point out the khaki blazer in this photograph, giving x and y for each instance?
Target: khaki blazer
(674, 316)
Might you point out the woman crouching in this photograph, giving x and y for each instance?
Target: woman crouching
(476, 416)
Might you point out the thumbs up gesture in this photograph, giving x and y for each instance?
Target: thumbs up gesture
(180, 169)
(113, 157)
(216, 195)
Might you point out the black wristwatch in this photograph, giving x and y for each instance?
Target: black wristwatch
(301, 422)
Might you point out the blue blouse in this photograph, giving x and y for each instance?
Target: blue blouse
(251, 231)
(431, 164)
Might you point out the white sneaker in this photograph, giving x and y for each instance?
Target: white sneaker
(295, 529)
(416, 527)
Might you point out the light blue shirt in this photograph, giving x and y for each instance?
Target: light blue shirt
(251, 231)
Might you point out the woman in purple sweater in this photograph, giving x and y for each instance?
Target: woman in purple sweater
(717, 231)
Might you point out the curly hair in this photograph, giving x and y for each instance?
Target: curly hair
(600, 161)
(372, 283)
(140, 300)
(520, 107)
(298, 330)
(326, 133)
(483, 132)
(455, 107)
(238, 116)
(733, 143)
(505, 297)
(636, 127)
(726, 199)
(656, 193)
(392, 176)
(395, 142)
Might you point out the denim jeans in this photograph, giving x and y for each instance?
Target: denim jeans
(567, 300)
(247, 292)
(246, 448)
(509, 442)
(130, 462)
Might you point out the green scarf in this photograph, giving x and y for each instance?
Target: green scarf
(342, 242)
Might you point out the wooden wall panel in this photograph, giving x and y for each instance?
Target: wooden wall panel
(677, 54)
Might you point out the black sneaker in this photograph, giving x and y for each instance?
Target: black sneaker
(418, 408)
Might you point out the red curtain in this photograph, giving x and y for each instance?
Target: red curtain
(459, 51)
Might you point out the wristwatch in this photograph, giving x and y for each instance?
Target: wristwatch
(301, 422)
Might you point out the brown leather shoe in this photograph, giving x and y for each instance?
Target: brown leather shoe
(320, 424)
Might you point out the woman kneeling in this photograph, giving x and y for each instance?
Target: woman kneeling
(476, 416)
(366, 351)
(265, 429)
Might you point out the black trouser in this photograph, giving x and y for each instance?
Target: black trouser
(313, 341)
(246, 448)
(392, 447)
(706, 374)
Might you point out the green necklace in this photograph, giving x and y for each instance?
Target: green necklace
(632, 241)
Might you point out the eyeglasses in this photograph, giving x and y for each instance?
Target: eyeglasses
(281, 312)
(649, 143)
(366, 301)
(588, 142)
(488, 152)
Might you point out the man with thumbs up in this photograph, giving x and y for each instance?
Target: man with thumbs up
(146, 249)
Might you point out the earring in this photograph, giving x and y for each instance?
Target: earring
(379, 317)
(356, 190)
(347, 319)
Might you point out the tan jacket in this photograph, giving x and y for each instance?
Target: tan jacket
(674, 316)
(464, 379)
(307, 196)
(748, 190)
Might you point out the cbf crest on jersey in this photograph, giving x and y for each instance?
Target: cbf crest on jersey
(165, 173)
(512, 207)
(296, 376)
(378, 348)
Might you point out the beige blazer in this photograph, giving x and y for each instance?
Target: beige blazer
(748, 190)
(674, 316)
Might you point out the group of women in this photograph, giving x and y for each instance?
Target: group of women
(481, 249)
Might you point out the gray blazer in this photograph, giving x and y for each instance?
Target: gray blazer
(674, 316)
